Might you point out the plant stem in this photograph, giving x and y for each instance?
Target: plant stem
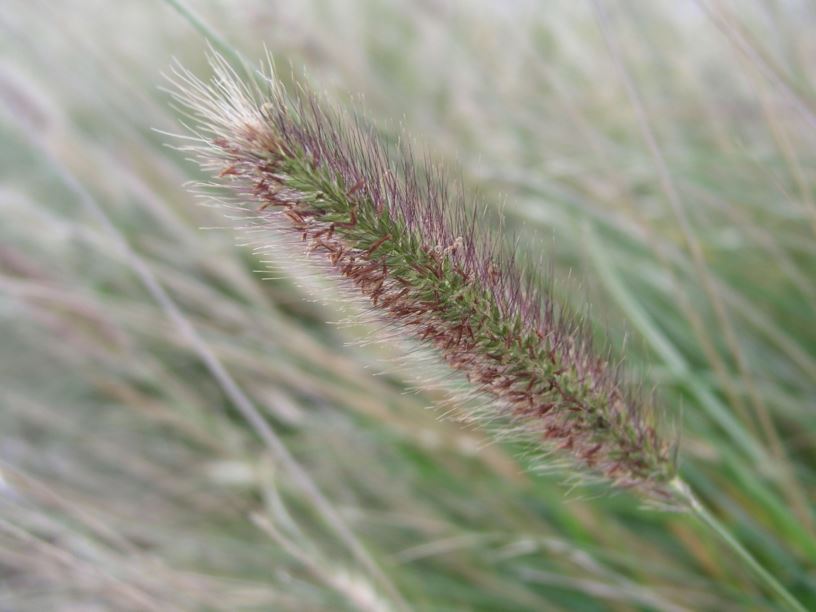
(717, 527)
(209, 33)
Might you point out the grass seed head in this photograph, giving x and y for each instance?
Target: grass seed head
(387, 225)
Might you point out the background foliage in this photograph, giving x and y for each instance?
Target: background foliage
(659, 153)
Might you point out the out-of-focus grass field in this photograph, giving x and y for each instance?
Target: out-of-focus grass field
(662, 155)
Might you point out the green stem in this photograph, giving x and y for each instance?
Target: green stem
(209, 34)
(717, 527)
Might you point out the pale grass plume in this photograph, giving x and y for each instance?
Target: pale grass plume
(420, 260)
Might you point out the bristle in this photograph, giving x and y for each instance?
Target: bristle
(388, 225)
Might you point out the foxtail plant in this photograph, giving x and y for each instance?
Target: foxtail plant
(425, 267)
(387, 228)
